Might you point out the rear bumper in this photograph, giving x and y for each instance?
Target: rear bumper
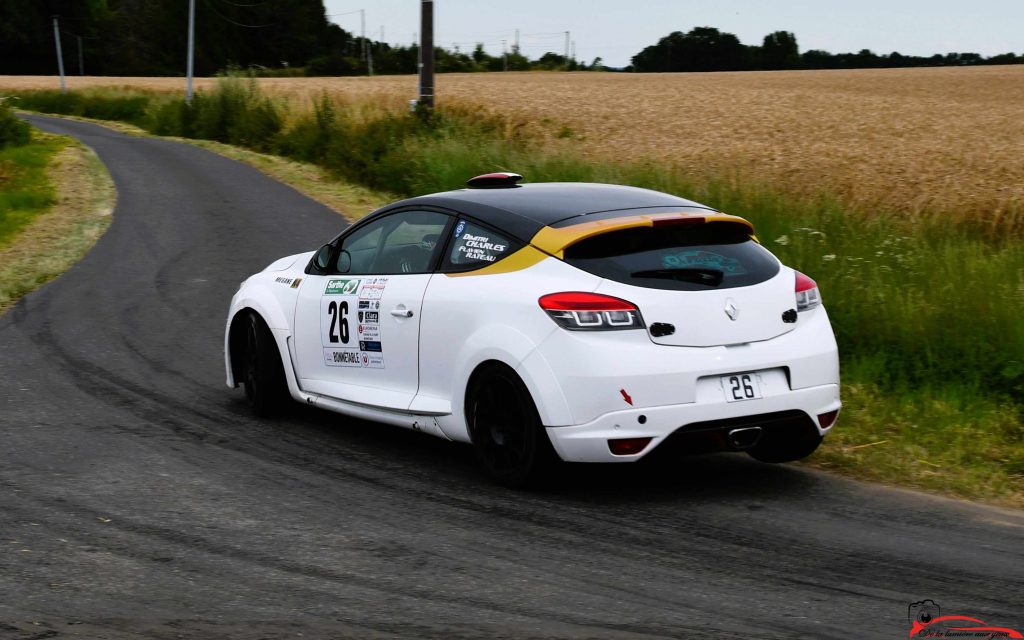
(589, 442)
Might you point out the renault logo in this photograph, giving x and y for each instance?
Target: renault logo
(731, 310)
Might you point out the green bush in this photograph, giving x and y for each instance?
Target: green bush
(130, 107)
(14, 132)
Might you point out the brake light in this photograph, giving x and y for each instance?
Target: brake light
(579, 311)
(807, 295)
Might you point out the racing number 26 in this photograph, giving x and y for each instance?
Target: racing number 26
(741, 389)
(339, 321)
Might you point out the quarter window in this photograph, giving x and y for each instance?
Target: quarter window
(476, 246)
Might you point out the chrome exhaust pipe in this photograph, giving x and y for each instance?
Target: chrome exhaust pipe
(745, 438)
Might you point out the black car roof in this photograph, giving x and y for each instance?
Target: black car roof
(523, 211)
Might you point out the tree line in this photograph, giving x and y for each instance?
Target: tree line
(148, 38)
(295, 37)
(708, 49)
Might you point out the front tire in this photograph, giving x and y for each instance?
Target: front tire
(265, 386)
(508, 437)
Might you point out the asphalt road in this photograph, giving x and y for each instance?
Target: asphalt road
(139, 498)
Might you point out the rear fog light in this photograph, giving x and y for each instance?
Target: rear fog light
(826, 420)
(628, 446)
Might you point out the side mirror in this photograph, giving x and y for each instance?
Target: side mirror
(344, 261)
(322, 260)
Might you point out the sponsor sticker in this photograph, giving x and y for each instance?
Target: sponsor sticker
(342, 358)
(694, 258)
(369, 332)
(373, 289)
(296, 283)
(372, 360)
(370, 345)
(341, 287)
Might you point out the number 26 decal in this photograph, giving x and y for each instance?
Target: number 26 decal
(741, 388)
(339, 322)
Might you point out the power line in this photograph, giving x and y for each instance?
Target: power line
(238, 4)
(237, 24)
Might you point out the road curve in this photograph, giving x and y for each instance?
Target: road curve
(139, 498)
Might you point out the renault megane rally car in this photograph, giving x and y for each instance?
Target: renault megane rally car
(581, 322)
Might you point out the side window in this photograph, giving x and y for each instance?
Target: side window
(403, 242)
(474, 246)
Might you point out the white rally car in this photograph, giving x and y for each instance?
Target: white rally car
(581, 322)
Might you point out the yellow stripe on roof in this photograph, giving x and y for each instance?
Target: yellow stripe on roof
(554, 241)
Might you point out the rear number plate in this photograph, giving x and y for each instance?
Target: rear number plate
(740, 387)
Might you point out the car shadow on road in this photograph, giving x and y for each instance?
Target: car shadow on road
(449, 465)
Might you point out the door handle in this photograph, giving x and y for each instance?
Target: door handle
(401, 312)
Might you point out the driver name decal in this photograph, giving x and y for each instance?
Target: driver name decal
(481, 248)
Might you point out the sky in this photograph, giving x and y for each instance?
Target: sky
(616, 30)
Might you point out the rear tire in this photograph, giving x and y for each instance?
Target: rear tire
(508, 437)
(786, 449)
(265, 386)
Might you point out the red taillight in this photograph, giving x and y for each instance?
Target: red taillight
(580, 311)
(580, 301)
(803, 283)
(628, 446)
(807, 295)
(826, 420)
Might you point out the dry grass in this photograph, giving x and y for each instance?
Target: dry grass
(946, 140)
(56, 239)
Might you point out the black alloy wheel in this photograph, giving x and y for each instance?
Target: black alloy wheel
(510, 442)
(265, 385)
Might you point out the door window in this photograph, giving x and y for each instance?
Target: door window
(404, 242)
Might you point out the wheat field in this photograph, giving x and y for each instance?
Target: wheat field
(943, 140)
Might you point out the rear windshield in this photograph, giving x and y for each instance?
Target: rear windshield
(684, 258)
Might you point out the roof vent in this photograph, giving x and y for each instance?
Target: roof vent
(495, 181)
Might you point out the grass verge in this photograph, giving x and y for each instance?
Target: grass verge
(25, 188)
(73, 197)
(926, 310)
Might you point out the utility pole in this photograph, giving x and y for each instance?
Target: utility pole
(362, 21)
(60, 55)
(516, 46)
(426, 101)
(504, 55)
(567, 48)
(573, 49)
(81, 58)
(191, 49)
